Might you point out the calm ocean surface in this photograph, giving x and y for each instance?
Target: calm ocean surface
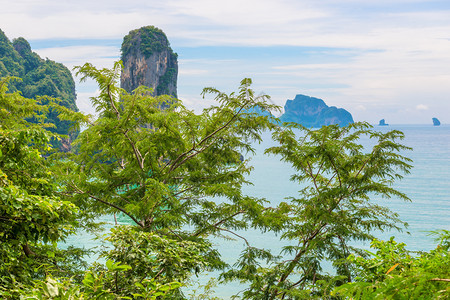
(428, 186)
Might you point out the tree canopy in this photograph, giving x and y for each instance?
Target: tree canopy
(177, 177)
(335, 207)
(31, 213)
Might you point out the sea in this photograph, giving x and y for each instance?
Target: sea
(428, 187)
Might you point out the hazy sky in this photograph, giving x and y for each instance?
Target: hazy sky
(376, 58)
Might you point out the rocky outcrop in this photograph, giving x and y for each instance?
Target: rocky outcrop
(382, 123)
(313, 112)
(436, 122)
(148, 60)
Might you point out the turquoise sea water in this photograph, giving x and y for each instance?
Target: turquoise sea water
(428, 186)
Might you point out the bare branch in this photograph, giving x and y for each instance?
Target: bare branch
(234, 233)
(111, 100)
(79, 191)
(116, 207)
(440, 279)
(136, 151)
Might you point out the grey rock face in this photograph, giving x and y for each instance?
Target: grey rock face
(148, 60)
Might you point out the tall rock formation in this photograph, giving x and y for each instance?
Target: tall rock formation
(436, 122)
(382, 123)
(148, 60)
(313, 112)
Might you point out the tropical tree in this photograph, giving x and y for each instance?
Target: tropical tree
(340, 181)
(175, 174)
(32, 217)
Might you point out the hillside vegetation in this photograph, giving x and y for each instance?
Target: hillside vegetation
(38, 77)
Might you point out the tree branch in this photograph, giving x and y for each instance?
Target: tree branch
(218, 223)
(297, 257)
(176, 163)
(116, 207)
(136, 151)
(111, 100)
(239, 236)
(79, 191)
(26, 249)
(440, 279)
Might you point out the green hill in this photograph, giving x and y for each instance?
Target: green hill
(39, 77)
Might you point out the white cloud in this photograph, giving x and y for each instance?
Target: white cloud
(253, 13)
(100, 56)
(309, 67)
(192, 72)
(232, 22)
(400, 51)
(84, 102)
(422, 107)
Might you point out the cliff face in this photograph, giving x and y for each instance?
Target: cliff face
(148, 60)
(313, 112)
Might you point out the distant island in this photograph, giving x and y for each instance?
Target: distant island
(436, 122)
(313, 112)
(382, 123)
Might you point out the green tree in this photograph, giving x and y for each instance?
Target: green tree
(95, 286)
(339, 179)
(177, 175)
(31, 215)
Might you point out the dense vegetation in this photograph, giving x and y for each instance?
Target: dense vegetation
(38, 77)
(32, 216)
(393, 272)
(178, 177)
(148, 40)
(165, 80)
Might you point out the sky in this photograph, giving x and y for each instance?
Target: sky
(378, 59)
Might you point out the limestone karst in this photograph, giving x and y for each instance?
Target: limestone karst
(149, 60)
(313, 112)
